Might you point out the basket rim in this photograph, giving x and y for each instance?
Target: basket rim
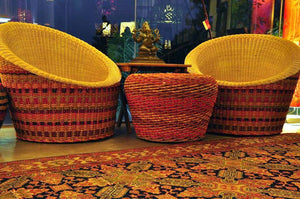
(288, 72)
(114, 74)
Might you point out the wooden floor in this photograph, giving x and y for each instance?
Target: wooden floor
(12, 149)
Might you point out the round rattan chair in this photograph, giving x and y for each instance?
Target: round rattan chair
(60, 89)
(256, 76)
(170, 107)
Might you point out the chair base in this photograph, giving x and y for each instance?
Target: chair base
(252, 110)
(62, 113)
(64, 137)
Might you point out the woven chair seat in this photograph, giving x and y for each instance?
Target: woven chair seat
(170, 107)
(60, 88)
(256, 76)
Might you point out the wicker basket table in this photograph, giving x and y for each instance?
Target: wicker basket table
(170, 107)
(134, 67)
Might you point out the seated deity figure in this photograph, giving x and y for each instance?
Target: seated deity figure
(147, 38)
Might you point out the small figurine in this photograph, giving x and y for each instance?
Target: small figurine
(147, 37)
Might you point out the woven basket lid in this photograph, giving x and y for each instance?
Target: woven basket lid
(56, 55)
(245, 59)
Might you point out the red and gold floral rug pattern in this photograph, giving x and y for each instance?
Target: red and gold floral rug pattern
(252, 167)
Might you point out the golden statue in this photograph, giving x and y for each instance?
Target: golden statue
(147, 37)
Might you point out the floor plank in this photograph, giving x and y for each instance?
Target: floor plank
(12, 149)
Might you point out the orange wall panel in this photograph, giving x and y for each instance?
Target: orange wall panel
(291, 26)
(262, 11)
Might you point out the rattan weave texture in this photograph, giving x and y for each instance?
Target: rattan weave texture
(3, 104)
(56, 55)
(256, 76)
(170, 107)
(60, 89)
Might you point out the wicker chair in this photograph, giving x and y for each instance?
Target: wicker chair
(256, 76)
(60, 89)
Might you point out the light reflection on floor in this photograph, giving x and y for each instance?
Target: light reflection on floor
(292, 124)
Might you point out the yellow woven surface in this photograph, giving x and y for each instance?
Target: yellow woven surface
(246, 59)
(56, 55)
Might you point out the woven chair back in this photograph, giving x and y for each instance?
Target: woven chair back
(56, 55)
(246, 59)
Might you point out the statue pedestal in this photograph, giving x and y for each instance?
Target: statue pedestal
(147, 59)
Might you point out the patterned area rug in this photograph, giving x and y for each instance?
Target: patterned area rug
(259, 167)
